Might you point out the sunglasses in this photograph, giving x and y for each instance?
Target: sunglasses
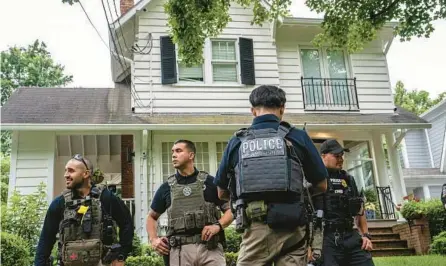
(79, 158)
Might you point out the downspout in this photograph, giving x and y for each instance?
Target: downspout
(144, 180)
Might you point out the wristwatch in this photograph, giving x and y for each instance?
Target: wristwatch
(219, 224)
(367, 235)
(121, 257)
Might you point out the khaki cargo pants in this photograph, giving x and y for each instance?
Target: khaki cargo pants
(197, 255)
(262, 246)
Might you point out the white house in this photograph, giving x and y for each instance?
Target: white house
(424, 155)
(129, 130)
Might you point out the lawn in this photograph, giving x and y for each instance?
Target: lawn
(411, 261)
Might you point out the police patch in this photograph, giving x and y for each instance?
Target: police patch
(344, 183)
(262, 147)
(187, 191)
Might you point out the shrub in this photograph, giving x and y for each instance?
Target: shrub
(24, 216)
(144, 261)
(438, 245)
(233, 239)
(412, 210)
(432, 209)
(14, 250)
(231, 258)
(137, 247)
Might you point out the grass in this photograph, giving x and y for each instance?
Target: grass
(436, 260)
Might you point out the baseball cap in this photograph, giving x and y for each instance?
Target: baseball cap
(332, 146)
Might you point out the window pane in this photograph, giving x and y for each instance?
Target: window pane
(314, 89)
(336, 64)
(311, 65)
(223, 50)
(221, 146)
(168, 169)
(224, 72)
(194, 73)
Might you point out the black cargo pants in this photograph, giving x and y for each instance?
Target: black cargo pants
(344, 249)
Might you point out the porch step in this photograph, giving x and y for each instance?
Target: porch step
(381, 222)
(380, 230)
(385, 252)
(385, 236)
(379, 244)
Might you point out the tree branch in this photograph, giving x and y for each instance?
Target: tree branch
(385, 10)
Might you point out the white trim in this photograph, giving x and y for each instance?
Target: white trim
(130, 13)
(318, 21)
(405, 155)
(432, 108)
(138, 187)
(426, 133)
(13, 165)
(426, 191)
(51, 159)
(443, 153)
(116, 127)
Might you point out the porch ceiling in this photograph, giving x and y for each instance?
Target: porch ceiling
(88, 145)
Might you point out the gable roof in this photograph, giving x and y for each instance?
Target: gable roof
(433, 108)
(110, 108)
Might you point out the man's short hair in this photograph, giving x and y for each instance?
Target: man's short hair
(268, 96)
(189, 145)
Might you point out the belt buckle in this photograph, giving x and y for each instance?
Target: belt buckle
(173, 242)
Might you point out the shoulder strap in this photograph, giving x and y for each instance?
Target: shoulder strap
(284, 129)
(202, 175)
(171, 180)
(241, 132)
(68, 196)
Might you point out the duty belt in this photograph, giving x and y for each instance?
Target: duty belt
(176, 241)
(343, 227)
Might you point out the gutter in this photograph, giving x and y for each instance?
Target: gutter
(83, 127)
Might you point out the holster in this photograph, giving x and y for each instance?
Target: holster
(287, 216)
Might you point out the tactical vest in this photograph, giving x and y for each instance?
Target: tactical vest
(268, 167)
(339, 200)
(189, 212)
(81, 229)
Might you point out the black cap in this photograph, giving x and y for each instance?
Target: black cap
(332, 146)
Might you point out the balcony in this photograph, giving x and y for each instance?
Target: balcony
(329, 94)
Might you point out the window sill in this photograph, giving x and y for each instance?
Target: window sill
(203, 85)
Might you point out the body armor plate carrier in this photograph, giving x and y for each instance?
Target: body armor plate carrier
(189, 212)
(81, 230)
(266, 168)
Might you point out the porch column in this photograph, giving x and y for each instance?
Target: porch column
(426, 192)
(398, 184)
(380, 160)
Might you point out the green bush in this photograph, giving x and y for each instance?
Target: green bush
(15, 250)
(233, 239)
(432, 209)
(231, 258)
(24, 216)
(137, 247)
(144, 261)
(438, 245)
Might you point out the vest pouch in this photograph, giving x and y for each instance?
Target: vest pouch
(189, 221)
(178, 224)
(82, 252)
(287, 216)
(199, 219)
(256, 210)
(355, 206)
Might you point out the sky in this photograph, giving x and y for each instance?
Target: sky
(72, 41)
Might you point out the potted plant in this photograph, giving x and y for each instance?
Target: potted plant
(370, 211)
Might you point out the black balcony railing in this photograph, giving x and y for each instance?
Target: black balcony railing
(329, 94)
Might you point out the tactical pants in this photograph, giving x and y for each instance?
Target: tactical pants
(317, 244)
(263, 246)
(346, 251)
(197, 255)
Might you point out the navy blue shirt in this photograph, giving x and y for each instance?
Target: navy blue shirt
(161, 201)
(313, 166)
(119, 212)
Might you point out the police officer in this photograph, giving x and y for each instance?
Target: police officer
(443, 195)
(83, 216)
(340, 206)
(195, 226)
(262, 169)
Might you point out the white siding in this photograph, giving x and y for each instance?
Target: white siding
(211, 97)
(436, 136)
(368, 67)
(435, 192)
(417, 149)
(34, 161)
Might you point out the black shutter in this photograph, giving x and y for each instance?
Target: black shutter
(168, 61)
(247, 61)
